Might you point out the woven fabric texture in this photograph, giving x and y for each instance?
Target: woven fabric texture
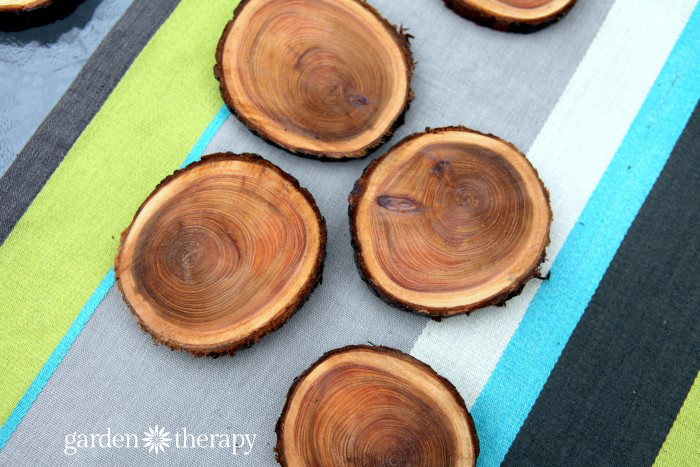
(611, 86)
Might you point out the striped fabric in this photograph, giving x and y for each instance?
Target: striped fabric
(596, 366)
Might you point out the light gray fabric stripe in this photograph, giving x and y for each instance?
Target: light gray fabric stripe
(113, 376)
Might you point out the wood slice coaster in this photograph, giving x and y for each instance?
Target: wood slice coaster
(16, 15)
(367, 406)
(449, 221)
(322, 78)
(512, 15)
(221, 253)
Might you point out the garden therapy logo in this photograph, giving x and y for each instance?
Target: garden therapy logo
(157, 439)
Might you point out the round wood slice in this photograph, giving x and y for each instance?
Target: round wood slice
(512, 15)
(323, 78)
(221, 253)
(448, 221)
(16, 15)
(372, 406)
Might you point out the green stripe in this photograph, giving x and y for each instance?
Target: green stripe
(682, 445)
(66, 241)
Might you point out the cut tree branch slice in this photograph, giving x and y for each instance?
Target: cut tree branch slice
(16, 15)
(221, 253)
(322, 78)
(449, 221)
(362, 406)
(512, 15)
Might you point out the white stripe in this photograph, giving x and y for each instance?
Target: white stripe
(571, 153)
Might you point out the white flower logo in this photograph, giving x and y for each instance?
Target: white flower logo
(156, 439)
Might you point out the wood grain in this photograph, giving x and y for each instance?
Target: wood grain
(374, 406)
(331, 79)
(223, 252)
(522, 16)
(449, 221)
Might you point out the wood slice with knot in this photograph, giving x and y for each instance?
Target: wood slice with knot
(372, 406)
(16, 15)
(322, 78)
(221, 253)
(449, 221)
(512, 15)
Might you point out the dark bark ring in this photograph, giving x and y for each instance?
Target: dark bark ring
(367, 406)
(18, 15)
(331, 79)
(449, 221)
(221, 253)
(512, 15)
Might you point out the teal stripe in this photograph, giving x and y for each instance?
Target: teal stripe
(554, 312)
(207, 136)
(54, 359)
(88, 309)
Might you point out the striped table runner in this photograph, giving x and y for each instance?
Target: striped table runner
(596, 366)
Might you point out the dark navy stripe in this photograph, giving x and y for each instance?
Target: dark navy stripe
(532, 353)
(630, 362)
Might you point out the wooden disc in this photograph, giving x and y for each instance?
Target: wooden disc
(16, 15)
(448, 221)
(23, 5)
(221, 253)
(329, 78)
(372, 406)
(512, 15)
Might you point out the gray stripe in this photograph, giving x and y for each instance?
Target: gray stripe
(56, 135)
(113, 376)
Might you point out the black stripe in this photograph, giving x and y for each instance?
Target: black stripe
(56, 135)
(631, 361)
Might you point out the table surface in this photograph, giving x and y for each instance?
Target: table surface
(595, 366)
(38, 65)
